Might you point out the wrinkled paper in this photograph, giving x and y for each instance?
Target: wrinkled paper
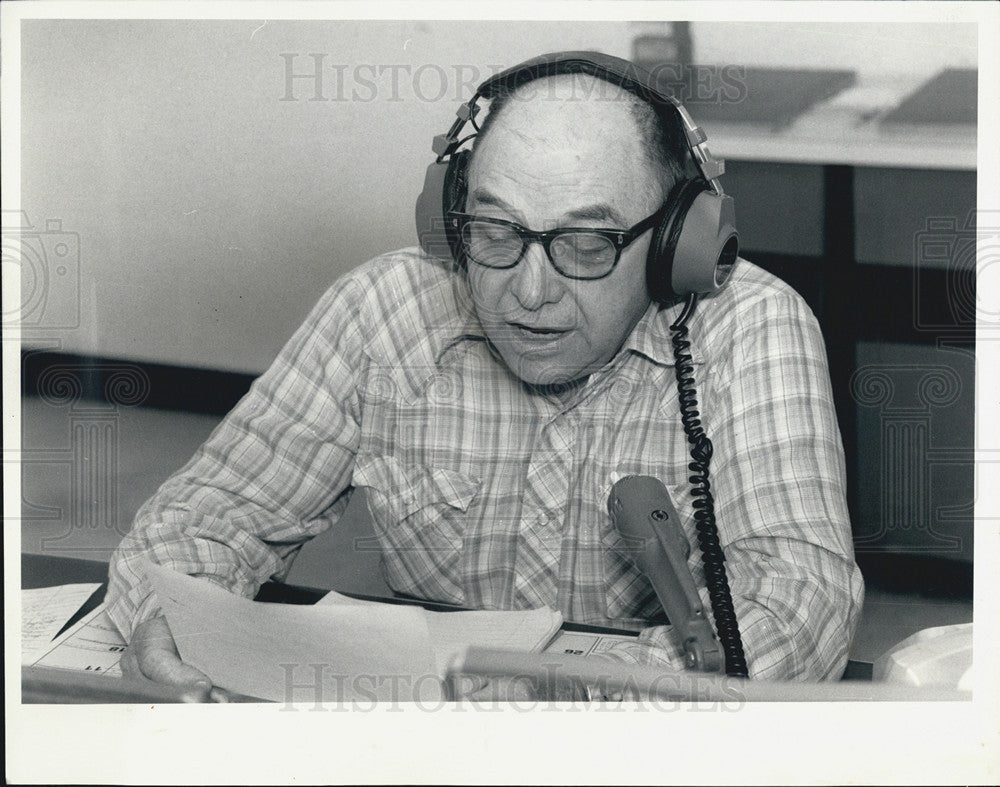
(291, 653)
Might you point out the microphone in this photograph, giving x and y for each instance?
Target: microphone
(641, 509)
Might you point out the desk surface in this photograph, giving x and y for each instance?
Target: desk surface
(47, 570)
(44, 570)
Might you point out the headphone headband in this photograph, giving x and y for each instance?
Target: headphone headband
(709, 242)
(615, 70)
(607, 67)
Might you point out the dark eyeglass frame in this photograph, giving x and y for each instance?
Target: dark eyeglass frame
(620, 239)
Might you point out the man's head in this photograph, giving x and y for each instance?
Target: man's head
(566, 151)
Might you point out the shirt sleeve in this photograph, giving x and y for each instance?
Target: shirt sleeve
(273, 474)
(778, 481)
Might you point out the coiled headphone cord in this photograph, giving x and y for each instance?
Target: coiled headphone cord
(712, 555)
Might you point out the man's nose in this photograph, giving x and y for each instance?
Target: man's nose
(535, 280)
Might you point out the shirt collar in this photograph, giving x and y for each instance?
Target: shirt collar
(652, 337)
(463, 326)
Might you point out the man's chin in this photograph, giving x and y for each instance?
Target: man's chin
(548, 375)
(540, 368)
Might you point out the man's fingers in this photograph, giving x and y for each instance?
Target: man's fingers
(165, 666)
(130, 665)
(153, 653)
(220, 695)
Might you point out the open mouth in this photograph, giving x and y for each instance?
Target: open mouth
(530, 330)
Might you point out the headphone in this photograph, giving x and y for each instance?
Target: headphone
(695, 244)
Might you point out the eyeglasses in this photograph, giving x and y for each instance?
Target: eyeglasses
(575, 252)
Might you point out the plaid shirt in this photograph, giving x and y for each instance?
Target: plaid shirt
(487, 493)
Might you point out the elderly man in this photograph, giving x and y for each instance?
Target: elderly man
(488, 408)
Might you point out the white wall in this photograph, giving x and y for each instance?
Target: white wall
(868, 47)
(211, 214)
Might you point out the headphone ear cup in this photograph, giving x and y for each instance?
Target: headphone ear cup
(453, 198)
(663, 244)
(444, 190)
(695, 246)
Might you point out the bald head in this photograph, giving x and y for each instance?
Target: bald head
(599, 107)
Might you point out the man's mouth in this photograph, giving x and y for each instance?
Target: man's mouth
(537, 330)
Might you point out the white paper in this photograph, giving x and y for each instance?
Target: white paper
(333, 597)
(452, 632)
(93, 644)
(44, 611)
(285, 652)
(525, 631)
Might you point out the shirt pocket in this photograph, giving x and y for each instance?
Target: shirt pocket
(418, 513)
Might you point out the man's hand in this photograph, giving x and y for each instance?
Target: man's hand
(152, 655)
